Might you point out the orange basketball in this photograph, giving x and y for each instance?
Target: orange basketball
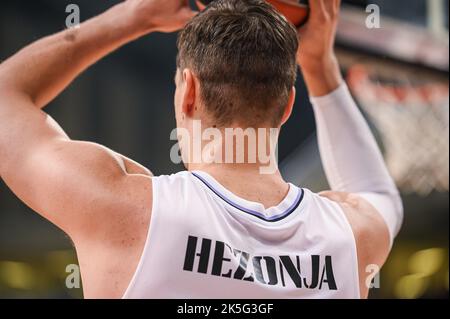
(296, 11)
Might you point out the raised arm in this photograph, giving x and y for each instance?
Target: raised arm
(71, 183)
(352, 161)
(101, 199)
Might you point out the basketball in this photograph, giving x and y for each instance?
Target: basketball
(296, 11)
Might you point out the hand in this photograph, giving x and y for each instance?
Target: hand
(161, 15)
(317, 37)
(316, 55)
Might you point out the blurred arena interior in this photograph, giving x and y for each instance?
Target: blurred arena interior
(398, 74)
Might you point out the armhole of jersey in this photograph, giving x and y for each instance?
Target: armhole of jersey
(354, 248)
(140, 265)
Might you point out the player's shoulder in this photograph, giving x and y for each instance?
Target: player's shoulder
(364, 219)
(369, 228)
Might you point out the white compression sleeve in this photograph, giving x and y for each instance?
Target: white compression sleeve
(351, 157)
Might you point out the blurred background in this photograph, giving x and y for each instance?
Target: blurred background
(398, 74)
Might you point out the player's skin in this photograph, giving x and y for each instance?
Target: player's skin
(102, 199)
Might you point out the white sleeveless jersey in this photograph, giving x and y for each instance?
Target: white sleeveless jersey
(205, 242)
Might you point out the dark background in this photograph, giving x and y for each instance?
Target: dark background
(126, 103)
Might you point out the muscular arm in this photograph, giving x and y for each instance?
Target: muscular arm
(38, 160)
(101, 199)
(54, 175)
(352, 160)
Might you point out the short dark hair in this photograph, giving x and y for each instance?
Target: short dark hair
(244, 55)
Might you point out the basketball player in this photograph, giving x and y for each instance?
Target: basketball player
(216, 230)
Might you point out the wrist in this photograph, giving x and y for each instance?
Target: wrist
(322, 76)
(318, 64)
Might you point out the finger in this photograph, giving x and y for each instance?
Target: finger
(328, 5)
(317, 8)
(336, 7)
(331, 8)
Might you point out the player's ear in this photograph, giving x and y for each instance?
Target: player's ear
(289, 106)
(189, 92)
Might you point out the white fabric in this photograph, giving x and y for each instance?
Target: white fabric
(195, 204)
(351, 158)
